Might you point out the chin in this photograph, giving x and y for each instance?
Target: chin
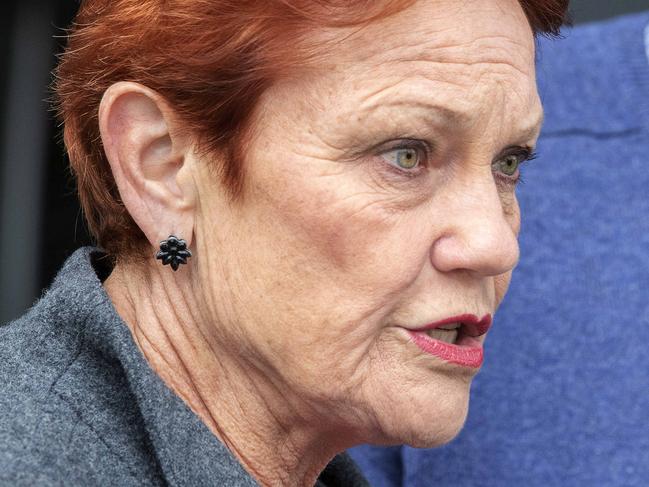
(445, 426)
(427, 416)
(442, 434)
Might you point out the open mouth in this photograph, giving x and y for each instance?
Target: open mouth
(454, 339)
(447, 333)
(455, 332)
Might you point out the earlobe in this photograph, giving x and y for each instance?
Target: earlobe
(148, 158)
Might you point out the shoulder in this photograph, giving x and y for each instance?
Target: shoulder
(67, 415)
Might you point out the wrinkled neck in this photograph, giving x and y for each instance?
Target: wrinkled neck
(275, 437)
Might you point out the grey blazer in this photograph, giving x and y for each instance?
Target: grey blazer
(79, 404)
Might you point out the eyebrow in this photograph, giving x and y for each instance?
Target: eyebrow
(438, 114)
(534, 129)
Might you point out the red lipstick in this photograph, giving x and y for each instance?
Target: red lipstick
(466, 351)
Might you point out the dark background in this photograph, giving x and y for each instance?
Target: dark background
(40, 221)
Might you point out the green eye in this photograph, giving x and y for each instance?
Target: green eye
(406, 158)
(508, 165)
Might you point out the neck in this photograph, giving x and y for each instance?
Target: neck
(277, 439)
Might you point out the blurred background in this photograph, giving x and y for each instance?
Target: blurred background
(40, 220)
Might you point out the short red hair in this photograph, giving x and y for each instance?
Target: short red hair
(211, 60)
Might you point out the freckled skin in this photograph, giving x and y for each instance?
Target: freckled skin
(328, 252)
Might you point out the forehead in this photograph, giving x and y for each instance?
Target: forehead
(467, 31)
(443, 58)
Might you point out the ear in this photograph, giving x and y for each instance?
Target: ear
(150, 158)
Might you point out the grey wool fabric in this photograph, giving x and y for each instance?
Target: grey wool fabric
(79, 404)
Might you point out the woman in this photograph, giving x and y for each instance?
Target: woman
(307, 218)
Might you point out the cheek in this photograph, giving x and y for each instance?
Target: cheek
(501, 282)
(357, 242)
(514, 217)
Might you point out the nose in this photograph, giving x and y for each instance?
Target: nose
(479, 236)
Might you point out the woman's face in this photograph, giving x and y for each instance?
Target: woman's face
(379, 197)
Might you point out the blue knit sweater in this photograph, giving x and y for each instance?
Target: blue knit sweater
(563, 397)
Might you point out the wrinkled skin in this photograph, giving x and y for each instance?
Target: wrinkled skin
(302, 292)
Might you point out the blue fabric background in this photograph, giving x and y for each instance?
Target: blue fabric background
(563, 397)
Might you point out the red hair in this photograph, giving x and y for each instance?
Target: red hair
(211, 60)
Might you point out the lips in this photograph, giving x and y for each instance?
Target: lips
(469, 324)
(466, 350)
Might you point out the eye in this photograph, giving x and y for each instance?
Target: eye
(509, 164)
(404, 158)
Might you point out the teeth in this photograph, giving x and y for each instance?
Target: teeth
(443, 334)
(450, 326)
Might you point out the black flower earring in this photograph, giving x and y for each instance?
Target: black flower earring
(173, 251)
